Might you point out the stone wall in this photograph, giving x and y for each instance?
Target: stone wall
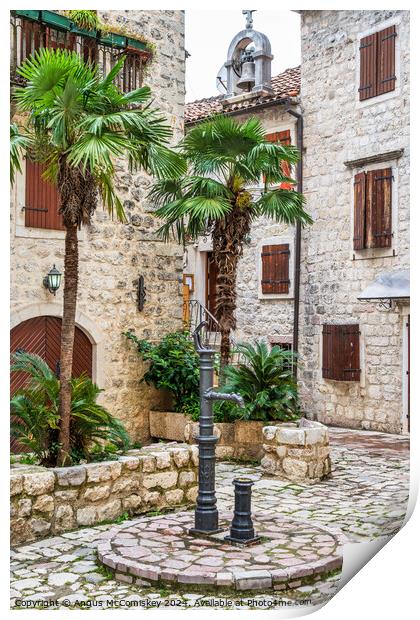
(301, 455)
(338, 128)
(50, 501)
(114, 255)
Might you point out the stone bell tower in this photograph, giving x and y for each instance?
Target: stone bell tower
(248, 64)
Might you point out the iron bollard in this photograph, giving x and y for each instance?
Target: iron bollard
(242, 528)
(206, 514)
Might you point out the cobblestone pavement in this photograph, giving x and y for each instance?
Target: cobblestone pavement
(366, 498)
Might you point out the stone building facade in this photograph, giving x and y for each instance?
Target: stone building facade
(114, 255)
(345, 134)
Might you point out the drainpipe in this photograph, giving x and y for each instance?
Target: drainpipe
(298, 240)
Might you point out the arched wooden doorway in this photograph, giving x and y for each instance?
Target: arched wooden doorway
(41, 335)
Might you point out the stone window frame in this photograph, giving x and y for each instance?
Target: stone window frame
(394, 21)
(277, 240)
(361, 384)
(18, 198)
(374, 253)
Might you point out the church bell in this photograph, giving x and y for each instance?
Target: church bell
(247, 79)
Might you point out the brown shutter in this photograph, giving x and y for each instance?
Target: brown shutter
(275, 268)
(41, 199)
(379, 208)
(386, 60)
(359, 211)
(350, 352)
(284, 138)
(341, 352)
(368, 54)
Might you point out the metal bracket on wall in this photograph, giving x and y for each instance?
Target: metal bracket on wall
(141, 294)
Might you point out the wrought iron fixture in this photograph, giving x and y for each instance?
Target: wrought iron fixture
(242, 529)
(206, 514)
(52, 280)
(141, 294)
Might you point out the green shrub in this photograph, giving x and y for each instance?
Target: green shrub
(266, 383)
(87, 20)
(35, 414)
(173, 367)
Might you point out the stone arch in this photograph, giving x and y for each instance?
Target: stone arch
(262, 58)
(83, 322)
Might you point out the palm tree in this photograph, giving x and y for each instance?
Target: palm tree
(225, 158)
(77, 123)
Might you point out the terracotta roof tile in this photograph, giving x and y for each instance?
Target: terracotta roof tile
(286, 84)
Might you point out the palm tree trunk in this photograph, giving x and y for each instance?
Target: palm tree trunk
(71, 263)
(228, 237)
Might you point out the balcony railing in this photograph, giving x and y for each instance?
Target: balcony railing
(32, 30)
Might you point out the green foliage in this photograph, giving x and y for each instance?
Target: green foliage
(225, 156)
(18, 144)
(173, 367)
(266, 383)
(35, 414)
(78, 116)
(87, 20)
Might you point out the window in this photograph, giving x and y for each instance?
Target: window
(41, 199)
(284, 138)
(377, 63)
(275, 269)
(341, 352)
(373, 209)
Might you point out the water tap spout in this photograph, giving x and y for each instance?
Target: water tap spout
(236, 398)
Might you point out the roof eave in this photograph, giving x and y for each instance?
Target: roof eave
(283, 101)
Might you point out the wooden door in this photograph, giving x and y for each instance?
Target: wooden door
(41, 335)
(211, 284)
(408, 372)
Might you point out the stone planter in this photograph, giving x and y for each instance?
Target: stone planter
(299, 454)
(168, 425)
(50, 501)
(242, 439)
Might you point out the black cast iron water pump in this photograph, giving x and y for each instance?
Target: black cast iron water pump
(206, 513)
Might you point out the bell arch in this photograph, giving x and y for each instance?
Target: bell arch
(262, 58)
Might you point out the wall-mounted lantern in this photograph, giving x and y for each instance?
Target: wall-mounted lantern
(52, 280)
(141, 294)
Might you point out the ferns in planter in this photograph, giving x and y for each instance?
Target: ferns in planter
(35, 413)
(265, 381)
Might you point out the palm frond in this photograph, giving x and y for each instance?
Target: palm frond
(282, 205)
(19, 144)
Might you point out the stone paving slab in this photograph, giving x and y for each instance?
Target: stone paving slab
(162, 550)
(366, 498)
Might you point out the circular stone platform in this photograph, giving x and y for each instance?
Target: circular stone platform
(159, 549)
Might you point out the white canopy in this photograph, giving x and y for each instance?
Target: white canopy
(389, 285)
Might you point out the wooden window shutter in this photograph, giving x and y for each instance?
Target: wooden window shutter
(368, 56)
(284, 138)
(275, 269)
(379, 208)
(350, 352)
(341, 352)
(386, 60)
(359, 211)
(41, 199)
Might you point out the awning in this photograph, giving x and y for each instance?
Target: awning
(392, 285)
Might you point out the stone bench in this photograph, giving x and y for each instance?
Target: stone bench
(46, 501)
(297, 453)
